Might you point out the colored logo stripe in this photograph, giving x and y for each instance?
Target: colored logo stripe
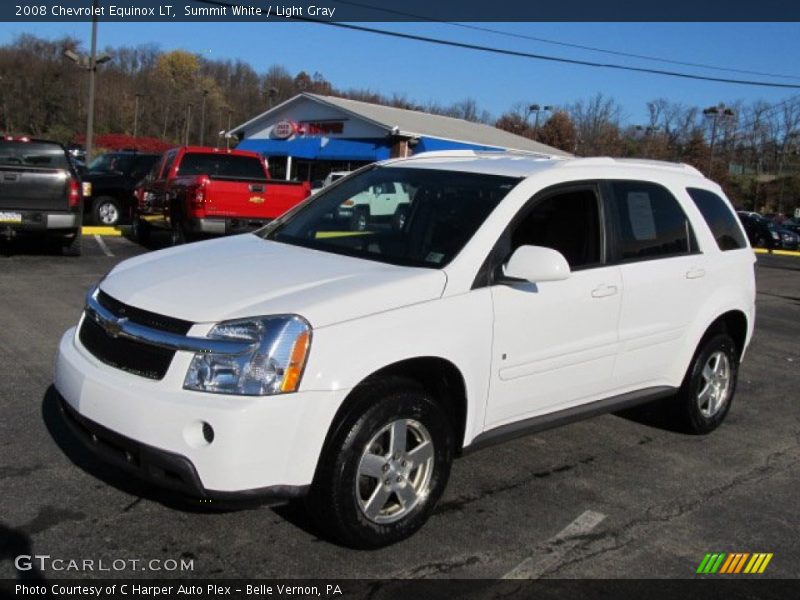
(734, 563)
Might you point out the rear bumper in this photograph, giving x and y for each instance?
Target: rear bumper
(225, 225)
(40, 221)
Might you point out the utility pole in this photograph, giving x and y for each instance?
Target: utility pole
(203, 119)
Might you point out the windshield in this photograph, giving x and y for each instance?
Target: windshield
(417, 217)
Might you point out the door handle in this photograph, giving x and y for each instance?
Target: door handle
(603, 291)
(695, 273)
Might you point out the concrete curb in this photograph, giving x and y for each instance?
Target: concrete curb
(110, 231)
(777, 252)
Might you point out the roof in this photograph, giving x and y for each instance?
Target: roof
(415, 123)
(517, 164)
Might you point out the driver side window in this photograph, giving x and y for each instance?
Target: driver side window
(567, 221)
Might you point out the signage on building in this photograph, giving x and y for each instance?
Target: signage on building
(284, 129)
(321, 127)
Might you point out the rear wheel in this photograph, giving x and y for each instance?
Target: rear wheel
(707, 391)
(360, 218)
(141, 231)
(384, 467)
(72, 245)
(106, 211)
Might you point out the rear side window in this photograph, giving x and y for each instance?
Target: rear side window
(719, 218)
(32, 154)
(222, 165)
(650, 222)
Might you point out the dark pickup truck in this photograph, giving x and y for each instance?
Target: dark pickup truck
(40, 192)
(109, 182)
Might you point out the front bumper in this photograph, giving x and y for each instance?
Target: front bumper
(262, 446)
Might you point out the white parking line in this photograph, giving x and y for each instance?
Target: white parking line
(556, 548)
(103, 246)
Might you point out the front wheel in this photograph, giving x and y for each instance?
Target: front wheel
(384, 467)
(707, 391)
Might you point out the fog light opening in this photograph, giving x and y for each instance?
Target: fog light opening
(198, 434)
(208, 432)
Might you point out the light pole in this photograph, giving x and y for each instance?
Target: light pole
(90, 63)
(536, 109)
(203, 118)
(188, 123)
(715, 113)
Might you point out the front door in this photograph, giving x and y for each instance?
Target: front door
(555, 343)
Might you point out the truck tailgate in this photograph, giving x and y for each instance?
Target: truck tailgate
(256, 199)
(33, 189)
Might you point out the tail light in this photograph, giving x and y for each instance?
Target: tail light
(74, 193)
(197, 196)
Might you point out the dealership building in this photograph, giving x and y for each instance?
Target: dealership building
(309, 135)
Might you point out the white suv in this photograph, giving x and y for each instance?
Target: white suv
(350, 367)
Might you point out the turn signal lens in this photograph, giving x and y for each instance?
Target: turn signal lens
(297, 361)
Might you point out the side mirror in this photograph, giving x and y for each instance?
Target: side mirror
(537, 264)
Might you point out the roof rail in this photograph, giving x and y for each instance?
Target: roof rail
(501, 153)
(635, 162)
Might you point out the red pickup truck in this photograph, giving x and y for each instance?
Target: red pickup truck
(194, 191)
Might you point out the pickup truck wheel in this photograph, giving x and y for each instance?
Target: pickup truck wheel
(399, 218)
(384, 467)
(179, 234)
(360, 218)
(707, 391)
(106, 211)
(73, 244)
(141, 231)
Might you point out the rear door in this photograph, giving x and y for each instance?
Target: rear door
(665, 278)
(33, 176)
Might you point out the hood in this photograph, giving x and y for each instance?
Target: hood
(245, 276)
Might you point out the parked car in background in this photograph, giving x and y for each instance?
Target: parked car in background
(109, 182)
(792, 224)
(351, 367)
(383, 203)
(40, 192)
(194, 191)
(761, 232)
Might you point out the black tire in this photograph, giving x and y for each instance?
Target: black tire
(140, 231)
(338, 500)
(106, 211)
(179, 234)
(360, 218)
(700, 415)
(72, 245)
(399, 218)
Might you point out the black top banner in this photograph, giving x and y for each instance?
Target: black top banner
(407, 10)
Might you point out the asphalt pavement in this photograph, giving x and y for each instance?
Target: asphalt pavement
(617, 496)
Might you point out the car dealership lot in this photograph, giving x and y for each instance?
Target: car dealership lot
(614, 496)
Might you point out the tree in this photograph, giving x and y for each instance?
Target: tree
(559, 132)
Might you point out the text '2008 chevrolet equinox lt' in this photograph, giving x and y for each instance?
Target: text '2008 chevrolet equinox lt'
(350, 364)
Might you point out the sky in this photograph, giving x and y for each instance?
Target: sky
(423, 72)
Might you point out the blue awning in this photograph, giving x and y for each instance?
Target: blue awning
(319, 148)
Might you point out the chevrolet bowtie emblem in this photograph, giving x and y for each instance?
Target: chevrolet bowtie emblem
(256, 200)
(113, 327)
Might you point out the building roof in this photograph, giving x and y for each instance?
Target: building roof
(415, 123)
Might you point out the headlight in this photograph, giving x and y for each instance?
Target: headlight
(274, 366)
